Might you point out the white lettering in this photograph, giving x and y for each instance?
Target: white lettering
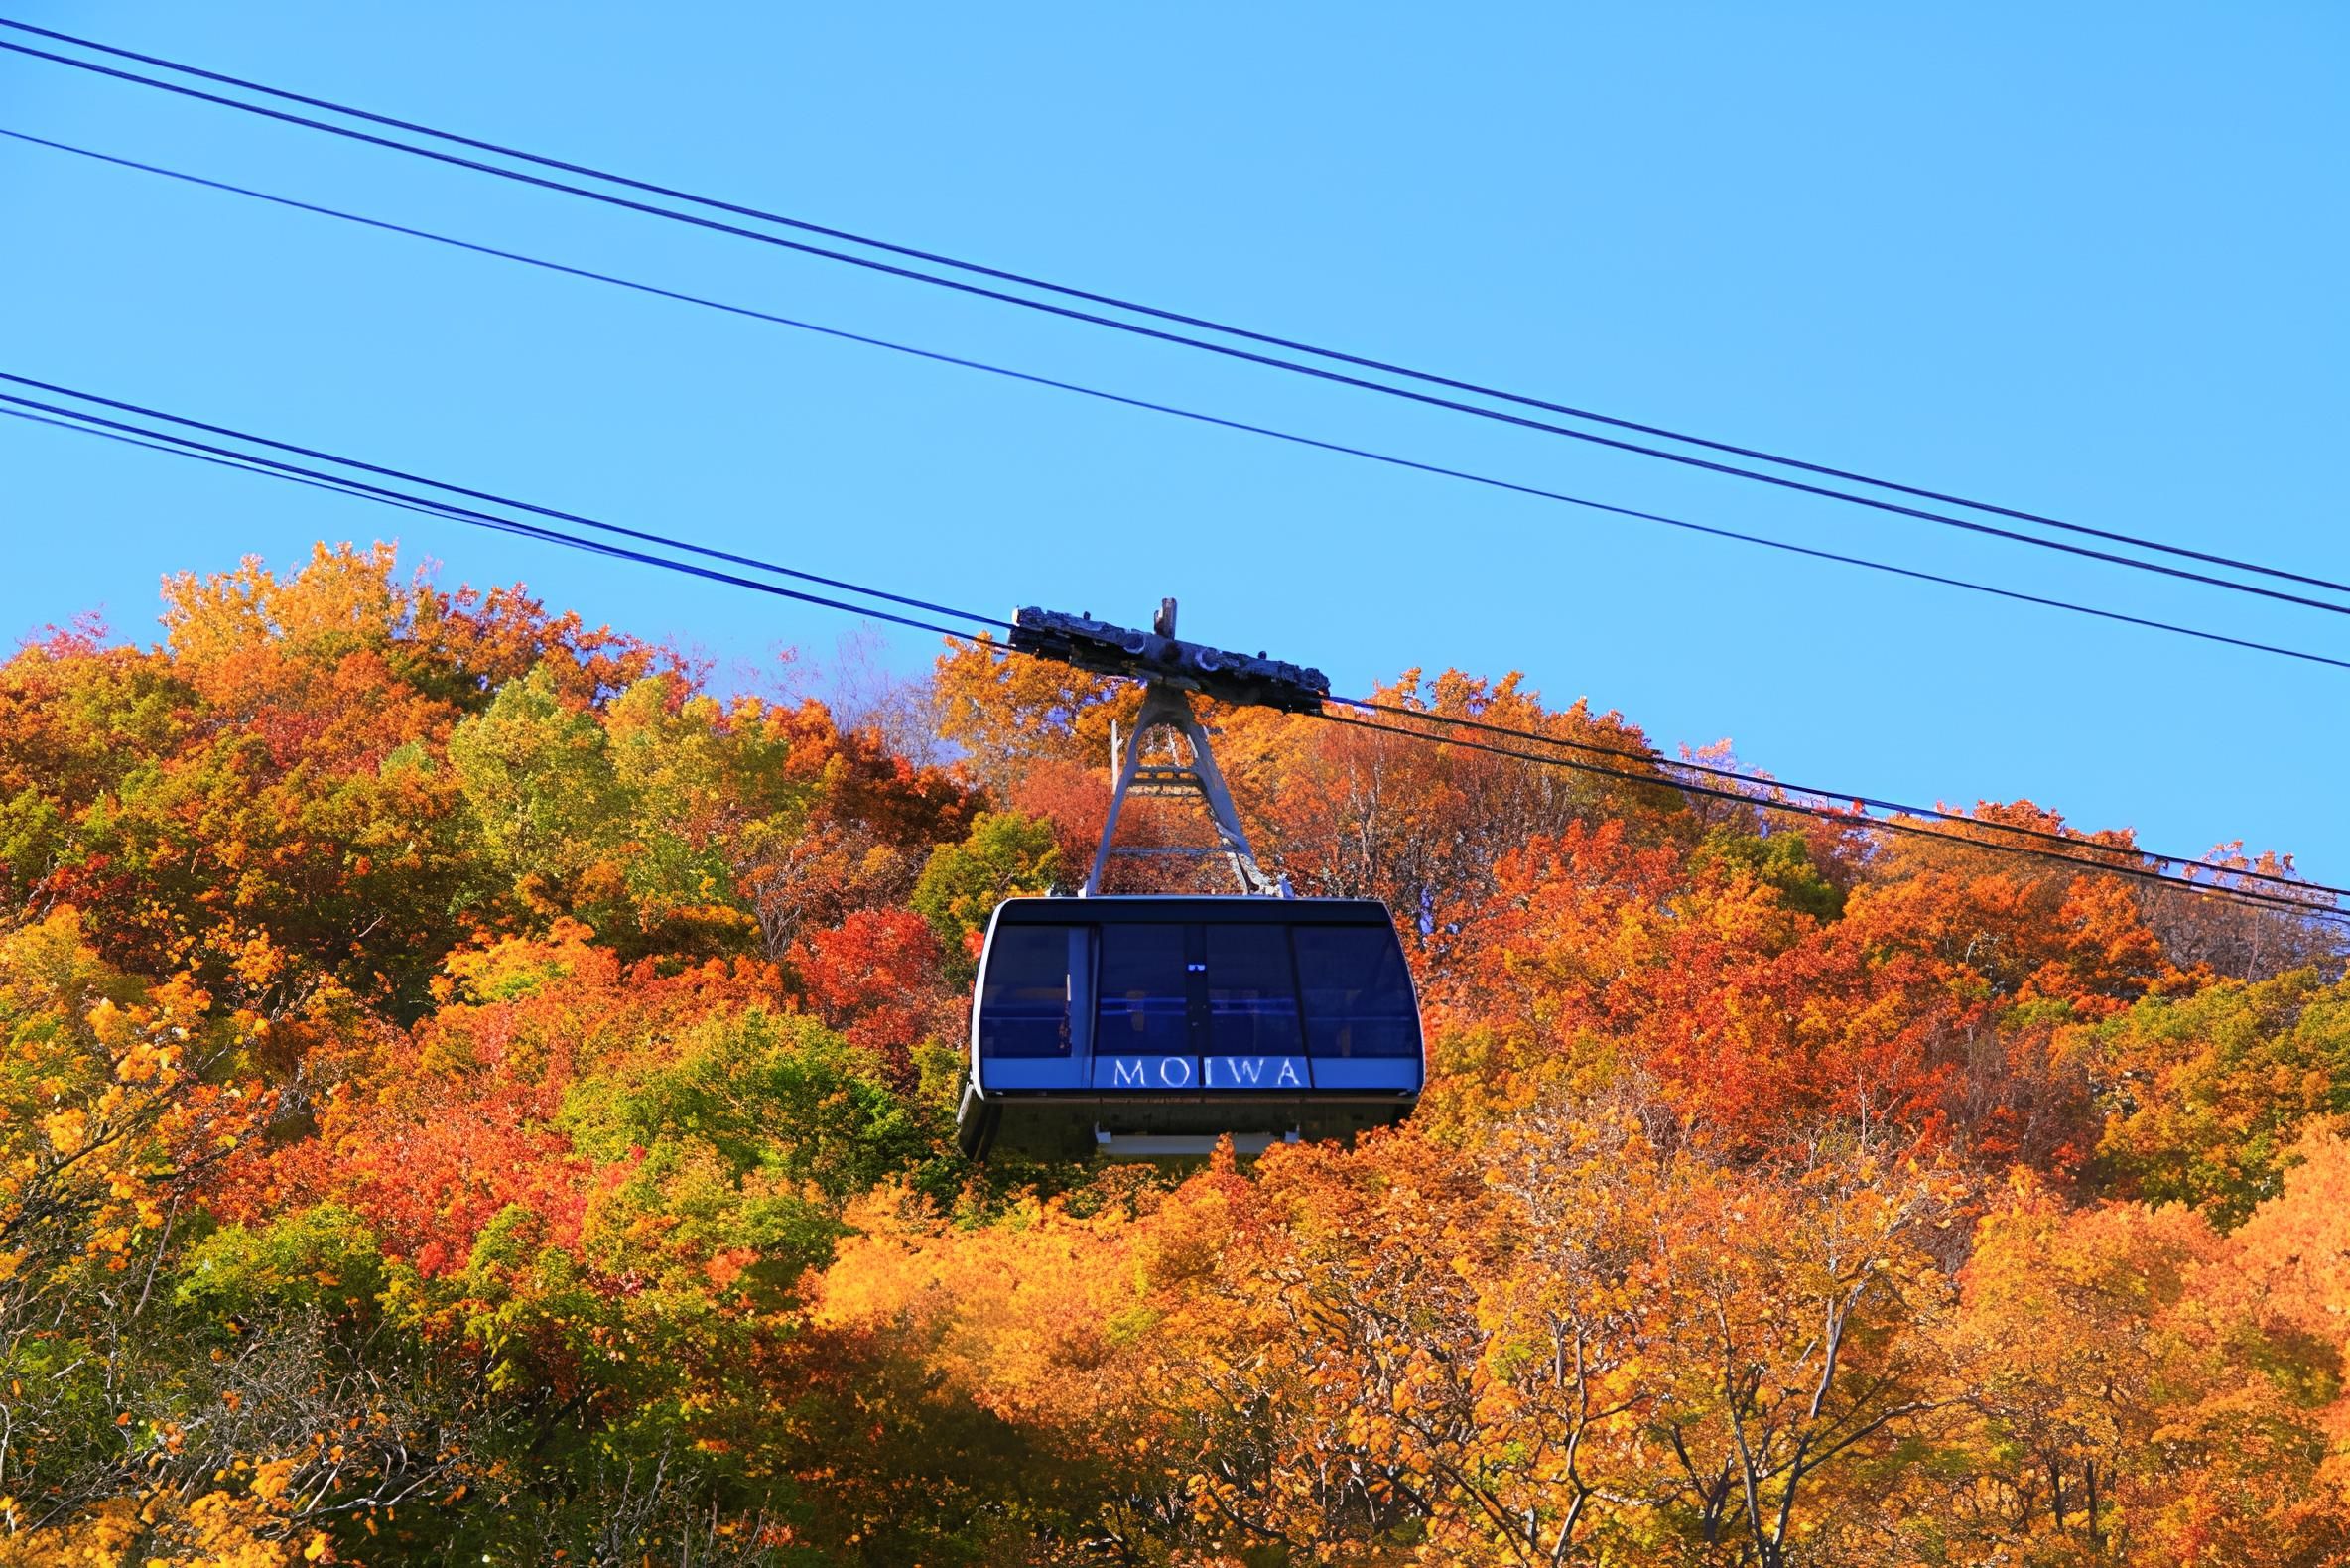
(1248, 1072)
(1169, 1062)
(1125, 1072)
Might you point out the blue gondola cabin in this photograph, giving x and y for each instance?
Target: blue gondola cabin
(1148, 1026)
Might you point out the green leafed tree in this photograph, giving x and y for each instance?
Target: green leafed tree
(2208, 1094)
(1005, 855)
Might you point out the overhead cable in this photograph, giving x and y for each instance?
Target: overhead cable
(1872, 803)
(268, 468)
(171, 443)
(330, 486)
(662, 540)
(1851, 819)
(1174, 411)
(1226, 351)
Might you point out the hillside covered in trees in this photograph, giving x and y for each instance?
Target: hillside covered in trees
(470, 1094)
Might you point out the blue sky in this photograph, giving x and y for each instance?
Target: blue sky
(2086, 260)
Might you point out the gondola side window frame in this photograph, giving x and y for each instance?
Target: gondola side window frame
(1330, 1026)
(1166, 1032)
(1014, 943)
(1210, 1042)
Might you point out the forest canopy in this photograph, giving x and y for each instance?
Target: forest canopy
(475, 1091)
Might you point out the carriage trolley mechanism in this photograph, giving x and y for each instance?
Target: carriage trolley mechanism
(1148, 1026)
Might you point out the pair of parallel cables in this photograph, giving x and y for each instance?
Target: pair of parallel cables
(72, 409)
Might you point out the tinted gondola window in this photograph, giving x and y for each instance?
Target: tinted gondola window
(1358, 995)
(1251, 991)
(1143, 993)
(1024, 1006)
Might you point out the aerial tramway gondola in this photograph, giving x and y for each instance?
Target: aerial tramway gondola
(1151, 1025)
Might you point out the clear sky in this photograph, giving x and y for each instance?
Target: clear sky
(2087, 260)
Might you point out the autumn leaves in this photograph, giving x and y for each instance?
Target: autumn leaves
(469, 1091)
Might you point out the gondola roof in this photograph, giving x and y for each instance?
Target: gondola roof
(1191, 909)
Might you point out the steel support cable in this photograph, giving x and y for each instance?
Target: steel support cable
(664, 539)
(1133, 307)
(423, 506)
(170, 446)
(181, 445)
(270, 468)
(1173, 411)
(1226, 349)
(1873, 803)
(30, 418)
(173, 446)
(1855, 820)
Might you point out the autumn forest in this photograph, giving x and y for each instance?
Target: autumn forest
(477, 1087)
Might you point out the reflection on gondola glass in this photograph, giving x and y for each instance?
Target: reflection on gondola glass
(1143, 991)
(1024, 1004)
(1359, 1000)
(1251, 991)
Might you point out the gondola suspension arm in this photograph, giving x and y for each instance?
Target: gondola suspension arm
(1165, 710)
(1171, 670)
